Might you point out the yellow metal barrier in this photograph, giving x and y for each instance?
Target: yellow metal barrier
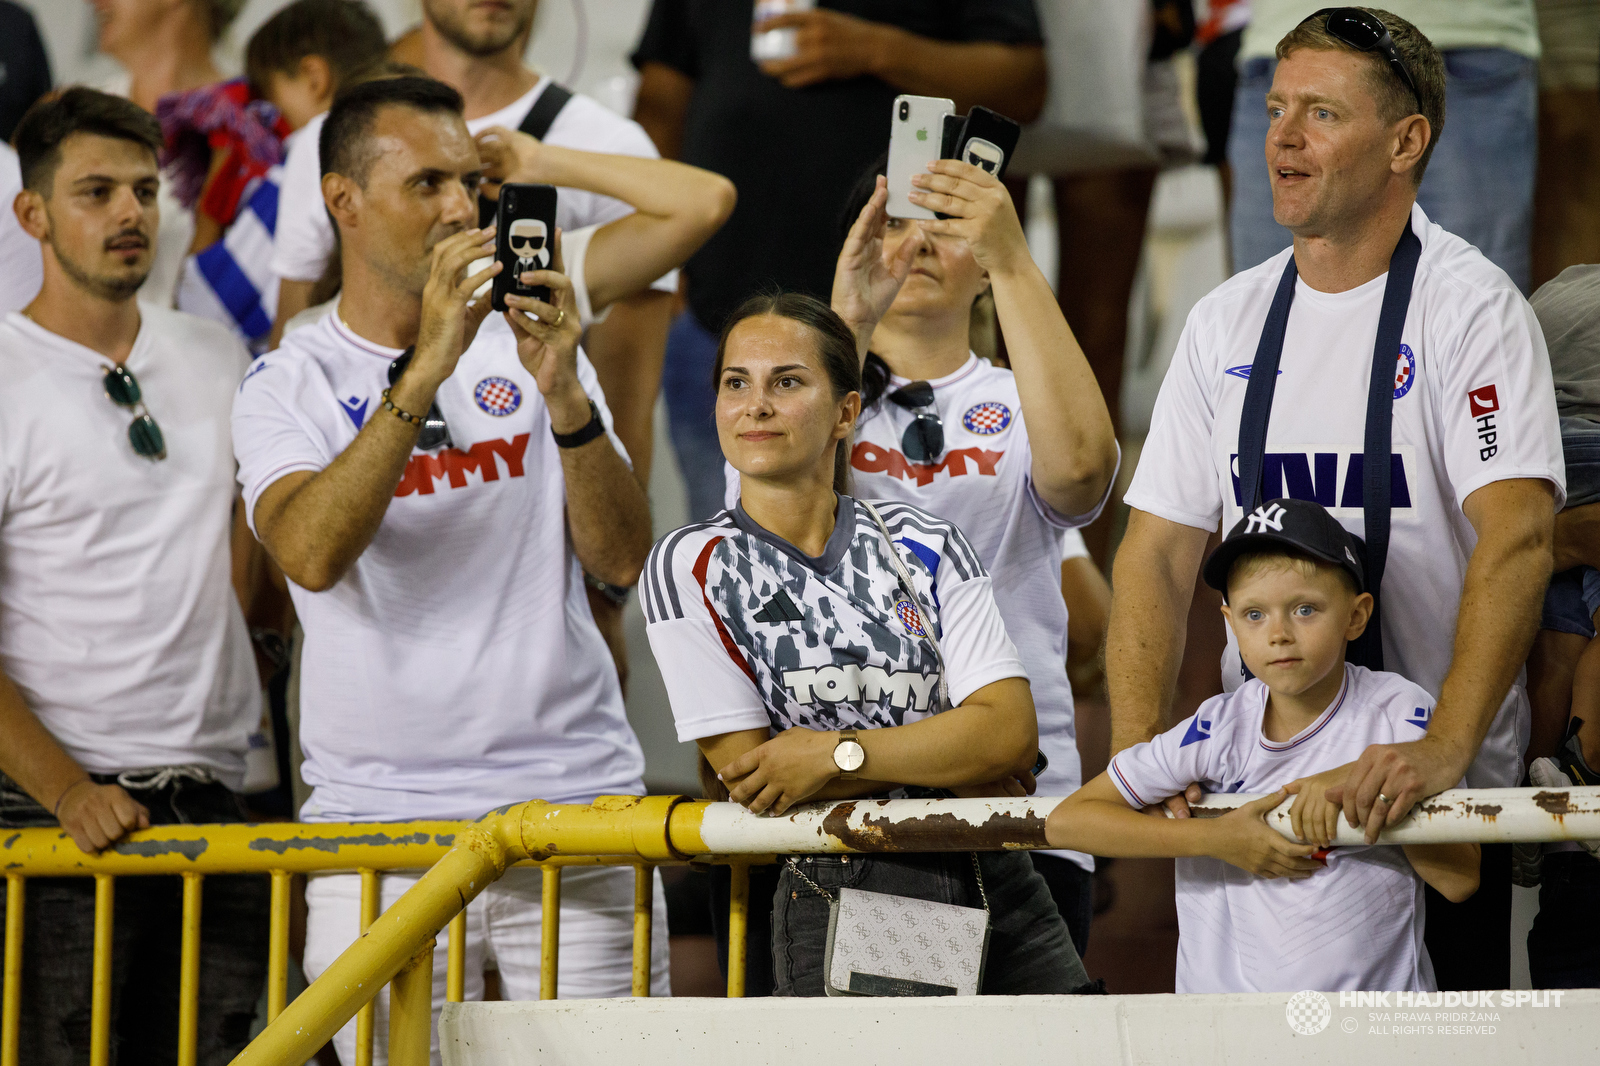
(462, 859)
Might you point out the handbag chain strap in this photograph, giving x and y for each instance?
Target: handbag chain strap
(977, 871)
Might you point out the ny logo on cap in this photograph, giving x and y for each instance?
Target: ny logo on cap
(1267, 517)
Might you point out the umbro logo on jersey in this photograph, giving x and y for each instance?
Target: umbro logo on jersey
(261, 364)
(1332, 479)
(1242, 371)
(872, 458)
(778, 610)
(1484, 403)
(1199, 729)
(906, 689)
(453, 463)
(1420, 717)
(356, 410)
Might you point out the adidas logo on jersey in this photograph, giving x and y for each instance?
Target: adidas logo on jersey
(778, 610)
(906, 689)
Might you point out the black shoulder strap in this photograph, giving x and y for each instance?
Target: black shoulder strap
(541, 116)
(1377, 450)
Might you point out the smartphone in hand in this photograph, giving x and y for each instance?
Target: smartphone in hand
(988, 140)
(524, 239)
(916, 135)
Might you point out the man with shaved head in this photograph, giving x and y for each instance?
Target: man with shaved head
(434, 503)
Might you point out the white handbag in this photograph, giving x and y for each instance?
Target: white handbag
(881, 944)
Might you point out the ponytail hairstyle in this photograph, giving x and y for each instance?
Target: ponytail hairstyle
(836, 349)
(874, 371)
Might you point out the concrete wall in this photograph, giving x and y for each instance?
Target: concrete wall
(1222, 1030)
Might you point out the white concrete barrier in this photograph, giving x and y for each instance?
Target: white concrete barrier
(1494, 1028)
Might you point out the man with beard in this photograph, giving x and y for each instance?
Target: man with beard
(128, 685)
(435, 503)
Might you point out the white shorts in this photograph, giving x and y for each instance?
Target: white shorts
(503, 924)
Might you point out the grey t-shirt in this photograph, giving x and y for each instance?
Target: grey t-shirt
(1568, 307)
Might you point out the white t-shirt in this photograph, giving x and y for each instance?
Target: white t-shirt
(1473, 404)
(983, 483)
(750, 633)
(118, 621)
(1355, 926)
(456, 666)
(21, 259)
(304, 237)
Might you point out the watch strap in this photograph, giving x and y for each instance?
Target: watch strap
(848, 736)
(579, 437)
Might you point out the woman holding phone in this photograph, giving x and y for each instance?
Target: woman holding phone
(1014, 457)
(817, 647)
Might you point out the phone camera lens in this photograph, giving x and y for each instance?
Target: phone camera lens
(905, 110)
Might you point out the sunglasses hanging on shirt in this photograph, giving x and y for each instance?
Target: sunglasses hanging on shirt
(923, 439)
(434, 433)
(122, 389)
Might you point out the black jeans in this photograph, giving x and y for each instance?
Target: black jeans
(1470, 942)
(58, 946)
(1030, 951)
(1562, 945)
(1072, 887)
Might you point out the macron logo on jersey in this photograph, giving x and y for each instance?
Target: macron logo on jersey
(1199, 729)
(875, 459)
(907, 689)
(356, 411)
(1330, 478)
(453, 463)
(1420, 717)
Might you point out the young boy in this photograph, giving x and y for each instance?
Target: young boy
(301, 56)
(1258, 912)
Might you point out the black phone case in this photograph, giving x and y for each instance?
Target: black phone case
(998, 131)
(521, 203)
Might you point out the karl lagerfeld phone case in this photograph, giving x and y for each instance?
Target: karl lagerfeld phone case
(524, 239)
(916, 135)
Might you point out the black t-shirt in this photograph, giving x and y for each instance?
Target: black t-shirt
(24, 67)
(793, 153)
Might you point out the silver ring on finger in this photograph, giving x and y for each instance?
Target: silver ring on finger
(1387, 802)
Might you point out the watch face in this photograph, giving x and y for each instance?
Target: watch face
(848, 756)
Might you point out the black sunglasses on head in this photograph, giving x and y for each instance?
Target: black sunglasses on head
(923, 439)
(1365, 32)
(122, 389)
(434, 433)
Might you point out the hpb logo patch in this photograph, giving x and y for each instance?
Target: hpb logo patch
(1485, 402)
(497, 396)
(1405, 372)
(987, 419)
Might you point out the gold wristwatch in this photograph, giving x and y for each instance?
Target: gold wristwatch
(848, 755)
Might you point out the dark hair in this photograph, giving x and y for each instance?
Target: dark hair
(836, 346)
(1394, 98)
(344, 32)
(52, 119)
(345, 142)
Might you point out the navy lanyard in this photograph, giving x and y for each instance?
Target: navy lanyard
(1376, 472)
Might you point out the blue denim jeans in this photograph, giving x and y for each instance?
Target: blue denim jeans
(1030, 952)
(1479, 182)
(691, 412)
(58, 946)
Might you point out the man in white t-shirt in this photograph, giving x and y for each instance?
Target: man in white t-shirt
(128, 689)
(435, 503)
(1476, 474)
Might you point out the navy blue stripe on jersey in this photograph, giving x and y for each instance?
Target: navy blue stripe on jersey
(899, 516)
(660, 595)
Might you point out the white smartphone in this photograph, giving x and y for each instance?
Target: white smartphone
(916, 135)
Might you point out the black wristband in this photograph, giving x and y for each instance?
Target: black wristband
(579, 437)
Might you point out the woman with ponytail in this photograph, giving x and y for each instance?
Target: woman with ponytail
(816, 646)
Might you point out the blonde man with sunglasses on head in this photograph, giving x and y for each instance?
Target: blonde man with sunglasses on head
(129, 687)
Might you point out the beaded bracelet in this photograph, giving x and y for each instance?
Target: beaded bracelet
(401, 414)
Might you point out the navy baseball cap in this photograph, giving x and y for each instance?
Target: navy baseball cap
(1302, 526)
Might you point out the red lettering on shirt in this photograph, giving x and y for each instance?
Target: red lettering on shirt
(875, 459)
(453, 463)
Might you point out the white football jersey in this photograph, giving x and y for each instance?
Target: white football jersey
(1473, 404)
(456, 667)
(1355, 926)
(751, 633)
(983, 483)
